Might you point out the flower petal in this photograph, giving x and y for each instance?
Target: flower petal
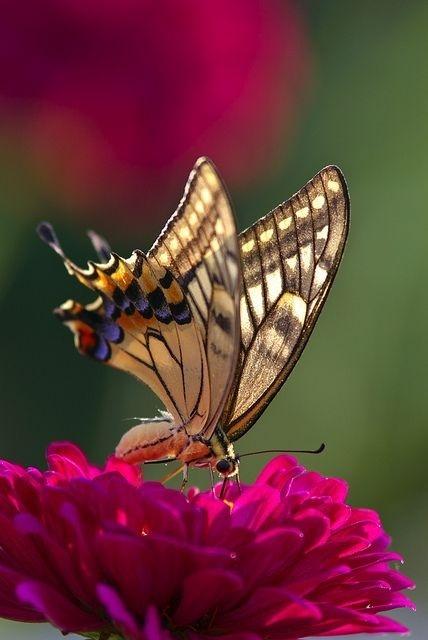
(204, 592)
(57, 609)
(117, 611)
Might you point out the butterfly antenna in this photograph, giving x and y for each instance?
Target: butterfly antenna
(172, 475)
(312, 451)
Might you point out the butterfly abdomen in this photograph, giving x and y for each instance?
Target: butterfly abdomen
(152, 440)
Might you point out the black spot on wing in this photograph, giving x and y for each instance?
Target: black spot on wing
(187, 278)
(138, 265)
(138, 299)
(283, 324)
(166, 281)
(223, 322)
(180, 312)
(120, 299)
(159, 305)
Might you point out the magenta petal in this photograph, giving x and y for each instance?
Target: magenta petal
(57, 609)
(205, 591)
(268, 606)
(315, 529)
(239, 635)
(60, 559)
(152, 627)
(336, 489)
(67, 460)
(93, 549)
(255, 507)
(129, 471)
(278, 471)
(21, 549)
(125, 563)
(10, 607)
(270, 555)
(117, 611)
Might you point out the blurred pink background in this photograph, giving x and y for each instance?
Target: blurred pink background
(114, 100)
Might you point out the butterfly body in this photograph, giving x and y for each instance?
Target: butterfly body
(161, 439)
(211, 321)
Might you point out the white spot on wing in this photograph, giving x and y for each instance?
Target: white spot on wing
(256, 296)
(333, 186)
(206, 195)
(246, 324)
(298, 308)
(318, 202)
(246, 248)
(219, 226)
(265, 236)
(302, 213)
(215, 246)
(184, 233)
(174, 245)
(210, 177)
(274, 285)
(199, 207)
(285, 223)
(319, 276)
(322, 233)
(292, 262)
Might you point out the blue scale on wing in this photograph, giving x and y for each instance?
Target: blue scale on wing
(135, 294)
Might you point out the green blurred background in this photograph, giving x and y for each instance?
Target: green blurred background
(361, 383)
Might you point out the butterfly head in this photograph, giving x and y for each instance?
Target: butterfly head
(227, 466)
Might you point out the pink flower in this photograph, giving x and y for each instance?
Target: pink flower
(117, 98)
(99, 550)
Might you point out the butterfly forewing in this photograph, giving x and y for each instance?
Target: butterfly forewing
(289, 260)
(200, 246)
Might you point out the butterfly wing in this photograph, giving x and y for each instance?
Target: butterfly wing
(200, 246)
(141, 323)
(289, 260)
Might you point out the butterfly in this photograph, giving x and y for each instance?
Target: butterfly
(212, 321)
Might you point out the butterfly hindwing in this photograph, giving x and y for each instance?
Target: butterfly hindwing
(289, 260)
(141, 323)
(200, 246)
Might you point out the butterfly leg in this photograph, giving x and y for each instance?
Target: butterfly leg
(185, 477)
(223, 488)
(238, 482)
(212, 479)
